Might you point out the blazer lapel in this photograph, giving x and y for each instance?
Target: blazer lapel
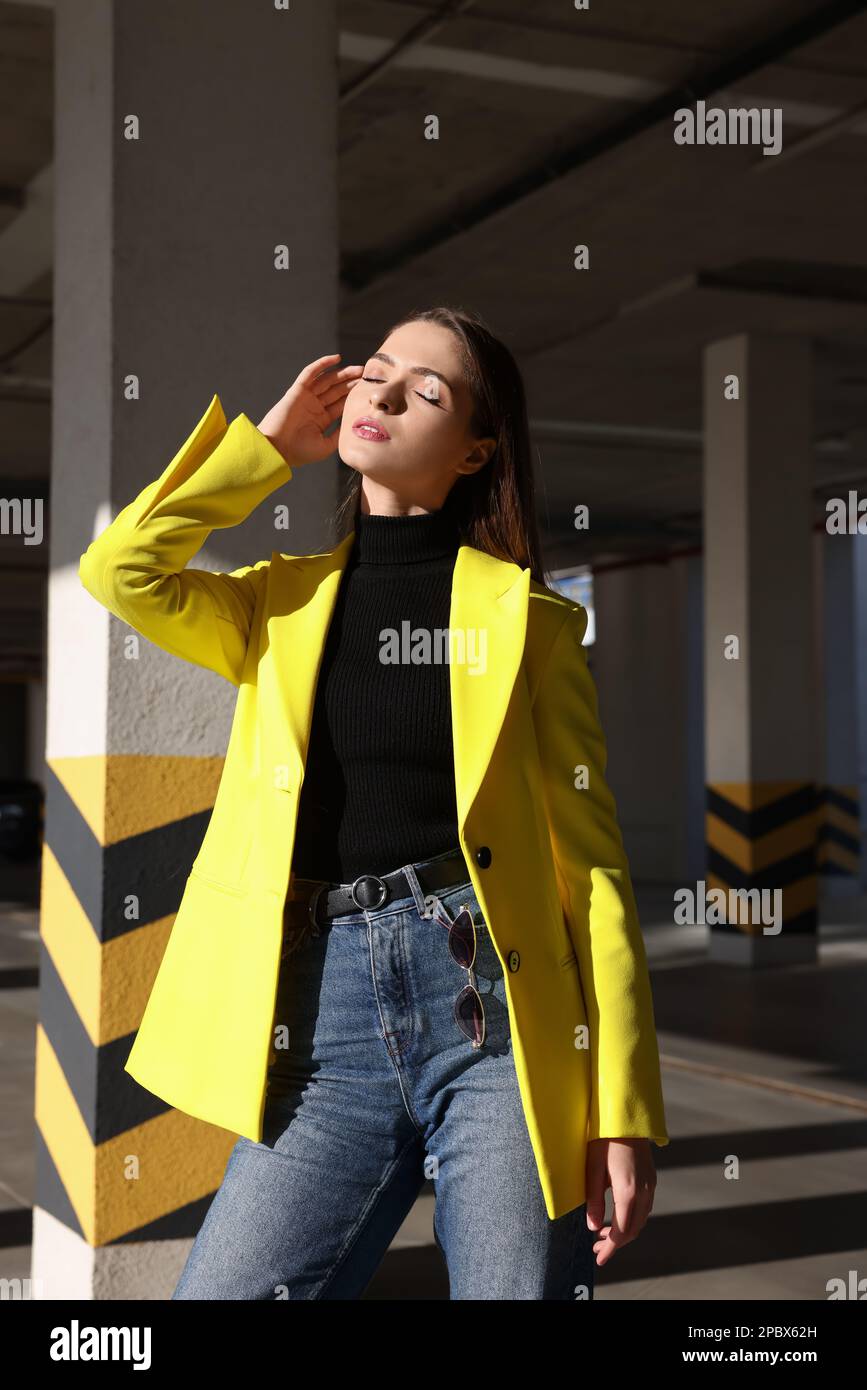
(491, 597)
(488, 622)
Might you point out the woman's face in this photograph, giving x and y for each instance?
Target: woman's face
(413, 392)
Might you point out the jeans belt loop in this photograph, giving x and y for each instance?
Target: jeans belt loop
(313, 905)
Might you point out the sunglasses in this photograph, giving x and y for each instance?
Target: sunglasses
(469, 1010)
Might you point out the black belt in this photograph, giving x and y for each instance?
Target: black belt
(371, 891)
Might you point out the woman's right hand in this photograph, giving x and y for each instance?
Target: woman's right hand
(296, 425)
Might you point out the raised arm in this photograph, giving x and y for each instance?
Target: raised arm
(597, 895)
(137, 567)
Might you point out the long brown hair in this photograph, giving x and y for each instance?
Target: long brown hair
(494, 507)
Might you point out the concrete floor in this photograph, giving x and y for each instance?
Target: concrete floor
(766, 1067)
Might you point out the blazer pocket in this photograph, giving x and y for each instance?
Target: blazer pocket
(235, 890)
(222, 858)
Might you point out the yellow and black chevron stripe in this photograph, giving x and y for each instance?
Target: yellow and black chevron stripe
(118, 826)
(763, 835)
(839, 849)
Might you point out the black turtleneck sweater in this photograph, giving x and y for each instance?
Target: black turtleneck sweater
(379, 785)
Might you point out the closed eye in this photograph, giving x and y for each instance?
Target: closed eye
(424, 397)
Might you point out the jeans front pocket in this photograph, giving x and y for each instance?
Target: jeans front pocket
(463, 895)
(298, 929)
(294, 937)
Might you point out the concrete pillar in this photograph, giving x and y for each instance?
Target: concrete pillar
(639, 663)
(694, 732)
(860, 582)
(168, 289)
(839, 848)
(761, 820)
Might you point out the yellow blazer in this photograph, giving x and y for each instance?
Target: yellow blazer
(544, 851)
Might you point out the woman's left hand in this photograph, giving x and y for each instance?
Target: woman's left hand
(627, 1167)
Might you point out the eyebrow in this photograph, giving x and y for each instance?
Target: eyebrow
(417, 371)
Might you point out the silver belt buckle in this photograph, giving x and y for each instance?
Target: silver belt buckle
(361, 878)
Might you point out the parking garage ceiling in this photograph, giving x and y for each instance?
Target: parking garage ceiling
(555, 129)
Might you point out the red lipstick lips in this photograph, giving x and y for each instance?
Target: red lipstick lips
(366, 428)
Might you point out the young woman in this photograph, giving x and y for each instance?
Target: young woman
(457, 987)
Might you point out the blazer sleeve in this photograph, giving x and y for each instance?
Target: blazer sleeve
(136, 567)
(597, 896)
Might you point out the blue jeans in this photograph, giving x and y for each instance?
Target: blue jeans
(377, 1090)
